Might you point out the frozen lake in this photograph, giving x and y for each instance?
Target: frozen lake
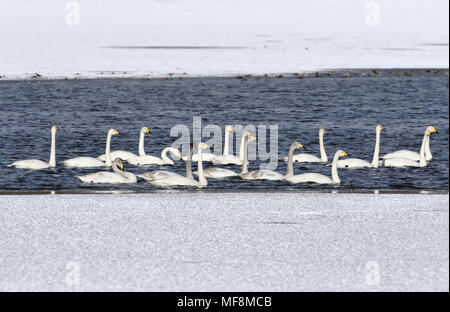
(94, 38)
(216, 241)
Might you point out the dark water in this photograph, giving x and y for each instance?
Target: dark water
(349, 108)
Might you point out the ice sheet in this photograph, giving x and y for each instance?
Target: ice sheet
(138, 38)
(209, 241)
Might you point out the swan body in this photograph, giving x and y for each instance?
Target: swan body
(117, 177)
(309, 158)
(91, 162)
(221, 173)
(156, 175)
(125, 155)
(153, 160)
(218, 173)
(356, 163)
(400, 162)
(179, 180)
(414, 155)
(36, 164)
(320, 178)
(269, 174)
(405, 162)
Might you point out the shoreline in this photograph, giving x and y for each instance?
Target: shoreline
(319, 73)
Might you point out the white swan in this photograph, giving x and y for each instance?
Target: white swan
(179, 180)
(354, 163)
(311, 158)
(126, 154)
(162, 174)
(414, 155)
(208, 157)
(320, 178)
(37, 164)
(405, 162)
(91, 162)
(144, 159)
(221, 173)
(118, 176)
(231, 159)
(270, 174)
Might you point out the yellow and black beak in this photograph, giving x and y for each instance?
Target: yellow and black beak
(325, 132)
(300, 145)
(121, 165)
(116, 132)
(346, 154)
(147, 130)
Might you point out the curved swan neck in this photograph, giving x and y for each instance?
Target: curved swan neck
(164, 156)
(245, 151)
(52, 161)
(189, 174)
(334, 172)
(376, 152)
(226, 146)
(141, 144)
(107, 150)
(422, 160)
(290, 165)
(201, 177)
(323, 154)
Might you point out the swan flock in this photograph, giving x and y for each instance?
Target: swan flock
(166, 178)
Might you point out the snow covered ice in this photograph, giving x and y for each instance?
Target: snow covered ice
(203, 38)
(209, 241)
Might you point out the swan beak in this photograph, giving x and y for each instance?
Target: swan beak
(383, 128)
(116, 132)
(179, 155)
(300, 145)
(231, 129)
(434, 130)
(205, 146)
(325, 132)
(147, 130)
(121, 165)
(346, 154)
(251, 138)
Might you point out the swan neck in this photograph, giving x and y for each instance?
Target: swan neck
(189, 174)
(226, 146)
(428, 154)
(107, 150)
(242, 148)
(290, 165)
(334, 172)
(141, 144)
(245, 157)
(422, 160)
(201, 177)
(52, 161)
(376, 152)
(164, 156)
(323, 154)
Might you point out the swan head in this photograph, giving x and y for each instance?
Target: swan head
(55, 128)
(203, 145)
(145, 130)
(229, 129)
(113, 132)
(322, 131)
(380, 128)
(341, 153)
(297, 145)
(431, 130)
(118, 163)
